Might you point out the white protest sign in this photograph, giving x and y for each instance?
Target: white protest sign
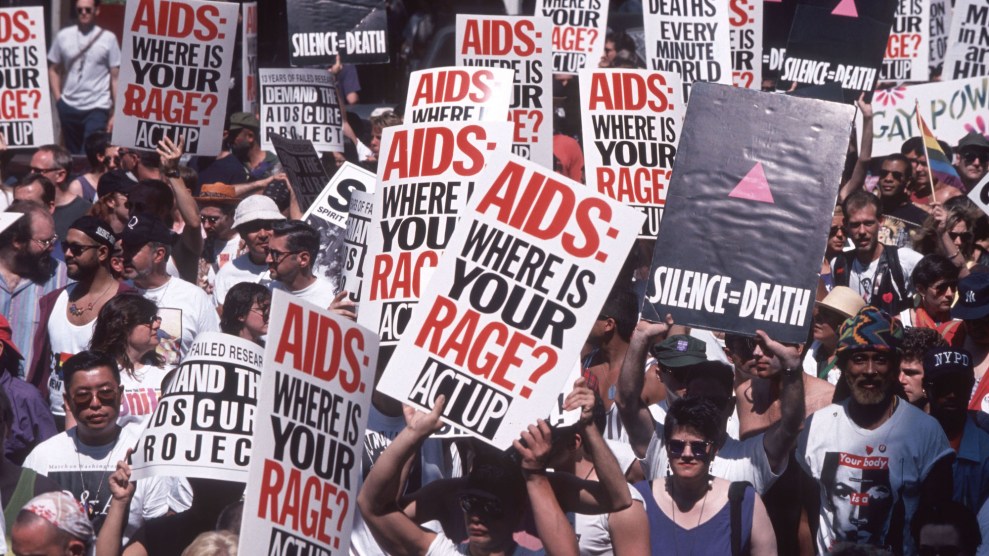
(950, 108)
(746, 21)
(907, 56)
(204, 421)
(25, 99)
(453, 94)
(355, 243)
(940, 17)
(175, 76)
(416, 206)
(579, 30)
(249, 58)
(522, 44)
(317, 382)
(7, 219)
(301, 104)
(980, 194)
(968, 41)
(632, 121)
(691, 39)
(502, 321)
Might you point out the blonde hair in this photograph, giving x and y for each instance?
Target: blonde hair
(213, 543)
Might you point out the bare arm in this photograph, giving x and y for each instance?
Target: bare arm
(782, 436)
(122, 491)
(630, 530)
(857, 179)
(552, 527)
(631, 407)
(55, 80)
(191, 238)
(763, 538)
(114, 80)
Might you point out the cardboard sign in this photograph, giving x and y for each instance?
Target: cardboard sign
(940, 20)
(838, 41)
(950, 108)
(320, 30)
(305, 171)
(301, 104)
(174, 81)
(980, 194)
(355, 243)
(518, 289)
(317, 382)
(770, 190)
(522, 44)
(579, 30)
(691, 39)
(632, 121)
(425, 175)
(249, 58)
(746, 20)
(454, 94)
(25, 99)
(204, 421)
(908, 50)
(777, 19)
(328, 215)
(7, 219)
(968, 42)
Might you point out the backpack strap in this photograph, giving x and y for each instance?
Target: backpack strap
(900, 283)
(840, 270)
(736, 492)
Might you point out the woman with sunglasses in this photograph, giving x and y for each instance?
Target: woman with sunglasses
(127, 330)
(951, 237)
(689, 511)
(245, 312)
(935, 281)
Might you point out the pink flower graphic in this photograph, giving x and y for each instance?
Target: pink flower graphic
(889, 97)
(979, 127)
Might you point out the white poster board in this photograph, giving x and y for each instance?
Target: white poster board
(301, 104)
(968, 41)
(579, 30)
(25, 99)
(459, 94)
(691, 39)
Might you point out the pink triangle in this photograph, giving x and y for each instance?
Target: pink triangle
(846, 8)
(754, 186)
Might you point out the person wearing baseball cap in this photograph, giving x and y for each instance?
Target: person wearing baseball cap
(253, 221)
(972, 159)
(972, 307)
(112, 192)
(247, 167)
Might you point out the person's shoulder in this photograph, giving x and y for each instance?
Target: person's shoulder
(54, 445)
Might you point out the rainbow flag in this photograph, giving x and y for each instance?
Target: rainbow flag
(938, 164)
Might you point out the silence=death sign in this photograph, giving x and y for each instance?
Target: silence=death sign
(968, 43)
(204, 421)
(743, 236)
(25, 103)
(690, 38)
(630, 136)
(317, 382)
(454, 94)
(319, 30)
(301, 104)
(579, 30)
(179, 55)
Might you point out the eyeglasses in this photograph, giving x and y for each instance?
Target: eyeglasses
(211, 219)
(77, 248)
(835, 230)
(896, 175)
(971, 156)
(153, 322)
(84, 10)
(479, 505)
(744, 348)
(106, 396)
(918, 162)
(263, 312)
(698, 448)
(941, 287)
(278, 256)
(964, 236)
(44, 170)
(46, 243)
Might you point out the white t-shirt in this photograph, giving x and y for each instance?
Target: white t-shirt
(67, 340)
(864, 473)
(860, 278)
(86, 83)
(443, 546)
(594, 531)
(319, 293)
(186, 312)
(141, 394)
(239, 270)
(84, 471)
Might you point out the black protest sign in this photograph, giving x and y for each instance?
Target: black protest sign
(319, 30)
(838, 41)
(301, 163)
(777, 17)
(744, 232)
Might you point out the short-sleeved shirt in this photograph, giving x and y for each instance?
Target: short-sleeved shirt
(86, 85)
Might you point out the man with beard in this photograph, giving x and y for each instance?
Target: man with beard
(28, 272)
(253, 220)
(248, 167)
(900, 217)
(873, 457)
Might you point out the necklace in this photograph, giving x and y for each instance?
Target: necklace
(673, 506)
(77, 312)
(89, 501)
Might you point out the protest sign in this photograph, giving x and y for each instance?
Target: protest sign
(523, 45)
(25, 99)
(908, 50)
(355, 243)
(249, 58)
(316, 396)
(319, 30)
(579, 30)
(8, 218)
(777, 18)
(301, 104)
(502, 320)
(305, 171)
(968, 41)
(204, 421)
(950, 108)
(454, 94)
(691, 39)
(328, 216)
(980, 194)
(770, 190)
(745, 19)
(837, 41)
(938, 41)
(425, 175)
(175, 78)
(631, 127)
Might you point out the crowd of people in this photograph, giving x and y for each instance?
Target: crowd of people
(869, 438)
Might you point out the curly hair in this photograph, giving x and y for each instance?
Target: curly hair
(699, 414)
(113, 326)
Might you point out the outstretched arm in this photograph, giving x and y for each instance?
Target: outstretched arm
(782, 436)
(631, 407)
(552, 527)
(857, 179)
(121, 491)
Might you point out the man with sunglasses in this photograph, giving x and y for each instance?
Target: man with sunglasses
(920, 187)
(83, 67)
(901, 218)
(253, 220)
(972, 159)
(292, 251)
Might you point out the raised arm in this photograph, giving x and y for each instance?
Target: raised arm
(122, 491)
(552, 527)
(191, 238)
(781, 437)
(857, 179)
(631, 407)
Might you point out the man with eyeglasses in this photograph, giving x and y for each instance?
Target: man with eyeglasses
(82, 458)
(900, 217)
(972, 159)
(55, 163)
(83, 67)
(872, 452)
(292, 251)
(28, 272)
(253, 220)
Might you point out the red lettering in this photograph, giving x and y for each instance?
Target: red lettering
(432, 151)
(398, 275)
(176, 20)
(291, 340)
(628, 91)
(15, 26)
(170, 106)
(303, 506)
(738, 12)
(637, 186)
(353, 344)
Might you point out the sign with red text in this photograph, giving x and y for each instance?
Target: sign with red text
(744, 232)
(426, 172)
(691, 39)
(301, 104)
(523, 45)
(321, 30)
(204, 421)
(950, 108)
(579, 30)
(968, 42)
(746, 21)
(302, 486)
(517, 290)
(355, 243)
(457, 94)
(908, 50)
(175, 76)
(938, 41)
(632, 121)
(249, 58)
(25, 99)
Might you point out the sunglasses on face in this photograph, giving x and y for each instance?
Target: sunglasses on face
(964, 236)
(106, 396)
(479, 505)
(896, 175)
(971, 156)
(256, 226)
(263, 312)
(942, 287)
(77, 248)
(278, 256)
(744, 348)
(84, 11)
(698, 448)
(211, 219)
(153, 321)
(918, 162)
(835, 230)
(43, 170)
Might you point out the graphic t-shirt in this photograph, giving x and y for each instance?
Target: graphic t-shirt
(239, 270)
(66, 340)
(141, 394)
(186, 312)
